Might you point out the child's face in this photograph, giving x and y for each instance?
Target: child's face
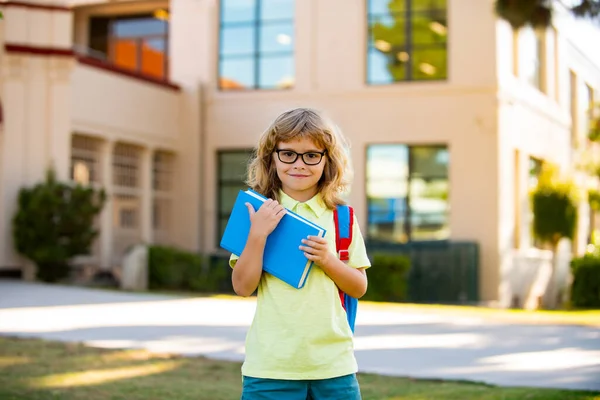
(300, 177)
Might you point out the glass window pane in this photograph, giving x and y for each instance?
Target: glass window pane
(227, 195)
(125, 53)
(276, 72)
(429, 209)
(430, 63)
(387, 34)
(426, 30)
(385, 6)
(429, 162)
(387, 184)
(99, 36)
(238, 10)
(153, 57)
(137, 27)
(236, 73)
(237, 41)
(530, 57)
(222, 225)
(386, 68)
(535, 168)
(429, 5)
(233, 166)
(276, 9)
(276, 38)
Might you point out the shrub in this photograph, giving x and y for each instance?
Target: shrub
(174, 269)
(585, 289)
(554, 206)
(388, 278)
(54, 223)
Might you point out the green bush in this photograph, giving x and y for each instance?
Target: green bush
(54, 223)
(388, 279)
(585, 289)
(170, 268)
(554, 206)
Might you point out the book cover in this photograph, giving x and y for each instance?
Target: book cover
(282, 257)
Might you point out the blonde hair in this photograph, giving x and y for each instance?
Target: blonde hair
(301, 123)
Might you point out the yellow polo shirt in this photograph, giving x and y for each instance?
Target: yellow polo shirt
(303, 333)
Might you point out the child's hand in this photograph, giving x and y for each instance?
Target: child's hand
(316, 249)
(265, 220)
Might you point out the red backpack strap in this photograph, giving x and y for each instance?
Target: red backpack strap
(344, 219)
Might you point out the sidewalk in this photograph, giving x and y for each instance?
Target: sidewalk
(424, 345)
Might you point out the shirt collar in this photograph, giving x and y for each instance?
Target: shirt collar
(316, 204)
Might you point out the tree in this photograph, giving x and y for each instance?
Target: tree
(554, 206)
(54, 223)
(538, 13)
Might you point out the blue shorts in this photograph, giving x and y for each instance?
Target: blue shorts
(340, 388)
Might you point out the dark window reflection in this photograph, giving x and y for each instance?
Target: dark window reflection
(407, 193)
(256, 49)
(407, 40)
(138, 43)
(231, 169)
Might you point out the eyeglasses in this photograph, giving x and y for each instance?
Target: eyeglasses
(290, 157)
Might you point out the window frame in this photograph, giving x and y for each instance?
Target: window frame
(538, 163)
(139, 40)
(219, 184)
(408, 228)
(539, 80)
(408, 14)
(256, 23)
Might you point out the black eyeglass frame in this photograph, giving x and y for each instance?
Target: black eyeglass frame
(321, 153)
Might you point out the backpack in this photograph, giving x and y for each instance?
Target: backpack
(344, 218)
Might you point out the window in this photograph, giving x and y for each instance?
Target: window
(126, 164)
(137, 43)
(256, 49)
(535, 168)
(585, 103)
(407, 193)
(85, 159)
(163, 172)
(232, 169)
(517, 198)
(530, 57)
(407, 41)
(573, 108)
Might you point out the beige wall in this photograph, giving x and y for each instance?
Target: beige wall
(119, 107)
(35, 95)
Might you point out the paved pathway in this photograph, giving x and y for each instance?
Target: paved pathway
(405, 343)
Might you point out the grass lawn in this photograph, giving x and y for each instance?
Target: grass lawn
(39, 370)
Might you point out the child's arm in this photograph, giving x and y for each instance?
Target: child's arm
(248, 269)
(352, 281)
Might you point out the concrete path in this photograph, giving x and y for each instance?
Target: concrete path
(404, 343)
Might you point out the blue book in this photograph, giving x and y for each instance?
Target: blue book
(282, 258)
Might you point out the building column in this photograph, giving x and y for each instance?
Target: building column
(106, 216)
(147, 197)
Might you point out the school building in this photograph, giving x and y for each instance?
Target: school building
(449, 112)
